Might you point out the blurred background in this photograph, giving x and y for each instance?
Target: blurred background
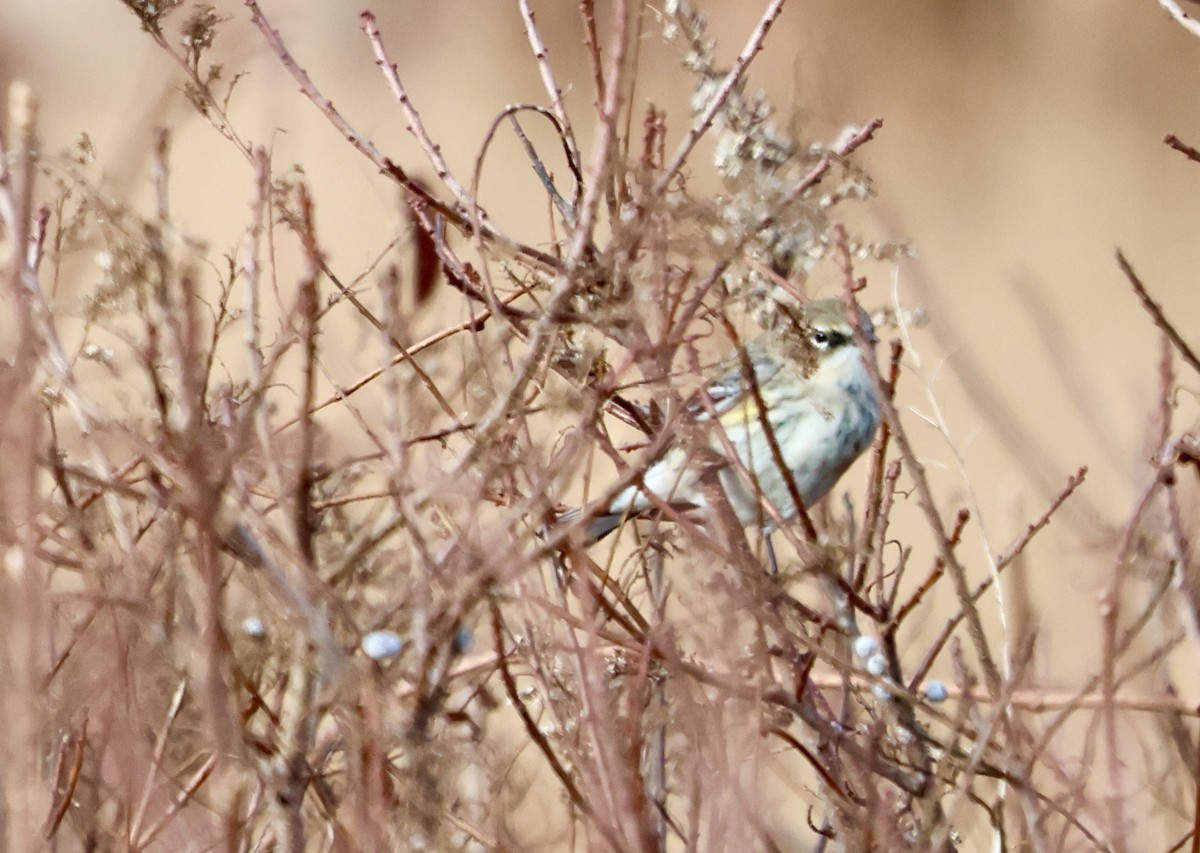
(1021, 146)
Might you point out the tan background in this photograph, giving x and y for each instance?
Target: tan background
(1021, 145)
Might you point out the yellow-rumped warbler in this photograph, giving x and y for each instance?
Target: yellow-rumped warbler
(822, 410)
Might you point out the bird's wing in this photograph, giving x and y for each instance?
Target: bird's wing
(730, 387)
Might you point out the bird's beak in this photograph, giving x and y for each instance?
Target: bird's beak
(869, 333)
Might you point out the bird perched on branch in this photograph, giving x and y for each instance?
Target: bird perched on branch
(822, 411)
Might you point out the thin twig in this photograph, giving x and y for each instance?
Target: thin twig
(1182, 147)
(1156, 312)
(66, 798)
(763, 414)
(1034, 527)
(1181, 17)
(416, 127)
(579, 245)
(925, 499)
(732, 79)
(939, 568)
(413, 188)
(160, 748)
(1115, 798)
(531, 726)
(541, 55)
(179, 801)
(565, 209)
(402, 357)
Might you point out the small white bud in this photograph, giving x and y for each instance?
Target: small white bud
(865, 645)
(935, 691)
(379, 645)
(253, 627)
(877, 665)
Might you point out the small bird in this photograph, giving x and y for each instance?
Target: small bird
(822, 409)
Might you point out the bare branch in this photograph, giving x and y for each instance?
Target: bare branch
(1180, 16)
(732, 80)
(1156, 313)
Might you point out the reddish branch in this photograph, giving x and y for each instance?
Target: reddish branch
(1156, 313)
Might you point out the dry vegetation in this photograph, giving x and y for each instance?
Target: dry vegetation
(222, 631)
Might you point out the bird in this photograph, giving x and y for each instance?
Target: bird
(823, 411)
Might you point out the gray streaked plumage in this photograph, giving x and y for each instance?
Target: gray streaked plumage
(822, 409)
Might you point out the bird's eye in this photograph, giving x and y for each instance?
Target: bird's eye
(819, 338)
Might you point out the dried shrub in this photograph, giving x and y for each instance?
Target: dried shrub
(222, 630)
